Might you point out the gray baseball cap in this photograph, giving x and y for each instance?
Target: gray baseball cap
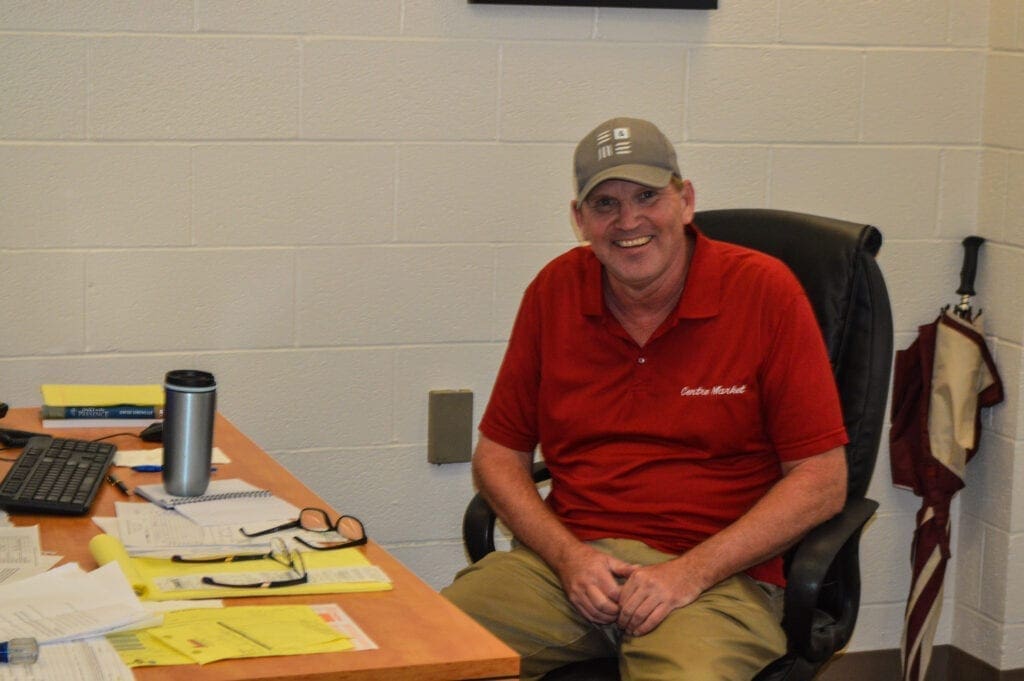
(624, 149)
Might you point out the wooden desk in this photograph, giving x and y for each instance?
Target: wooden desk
(421, 635)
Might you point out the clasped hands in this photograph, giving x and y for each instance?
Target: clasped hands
(637, 598)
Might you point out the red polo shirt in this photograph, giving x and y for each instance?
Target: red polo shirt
(670, 442)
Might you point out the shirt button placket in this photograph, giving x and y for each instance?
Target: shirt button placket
(641, 377)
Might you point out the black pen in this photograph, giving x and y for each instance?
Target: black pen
(118, 484)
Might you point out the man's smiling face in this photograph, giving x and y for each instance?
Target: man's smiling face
(637, 232)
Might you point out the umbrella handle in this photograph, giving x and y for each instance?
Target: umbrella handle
(970, 266)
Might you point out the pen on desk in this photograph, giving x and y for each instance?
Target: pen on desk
(118, 484)
(150, 468)
(19, 651)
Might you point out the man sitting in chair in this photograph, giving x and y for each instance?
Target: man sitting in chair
(680, 392)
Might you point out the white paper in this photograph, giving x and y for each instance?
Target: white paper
(89, 660)
(20, 554)
(226, 502)
(237, 512)
(329, 575)
(338, 619)
(67, 603)
(107, 524)
(160, 607)
(13, 573)
(155, 611)
(147, 529)
(19, 545)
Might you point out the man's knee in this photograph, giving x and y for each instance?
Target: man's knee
(516, 597)
(492, 582)
(729, 634)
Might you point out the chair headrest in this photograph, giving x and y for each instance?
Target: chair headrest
(825, 254)
(834, 261)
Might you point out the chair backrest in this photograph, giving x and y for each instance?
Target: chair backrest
(835, 262)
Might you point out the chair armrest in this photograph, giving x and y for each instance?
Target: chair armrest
(478, 528)
(479, 518)
(824, 579)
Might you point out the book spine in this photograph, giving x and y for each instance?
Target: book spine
(121, 411)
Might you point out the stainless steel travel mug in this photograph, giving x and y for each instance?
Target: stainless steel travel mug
(190, 402)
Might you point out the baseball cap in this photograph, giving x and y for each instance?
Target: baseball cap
(624, 149)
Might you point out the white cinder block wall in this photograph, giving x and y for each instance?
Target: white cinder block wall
(334, 207)
(989, 584)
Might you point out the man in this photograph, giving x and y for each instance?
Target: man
(680, 392)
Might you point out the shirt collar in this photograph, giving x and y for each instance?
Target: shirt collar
(702, 293)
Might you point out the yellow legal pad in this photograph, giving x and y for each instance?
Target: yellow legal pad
(82, 395)
(211, 634)
(161, 579)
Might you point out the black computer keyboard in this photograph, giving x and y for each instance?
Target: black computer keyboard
(56, 475)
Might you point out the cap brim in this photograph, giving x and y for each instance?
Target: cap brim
(649, 176)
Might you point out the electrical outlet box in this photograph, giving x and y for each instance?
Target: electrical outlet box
(450, 426)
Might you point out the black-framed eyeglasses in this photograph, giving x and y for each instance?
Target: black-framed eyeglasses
(318, 520)
(279, 553)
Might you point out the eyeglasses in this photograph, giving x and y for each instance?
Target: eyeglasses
(279, 553)
(318, 520)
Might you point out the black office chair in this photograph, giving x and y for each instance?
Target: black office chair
(834, 260)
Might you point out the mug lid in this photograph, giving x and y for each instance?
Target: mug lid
(190, 378)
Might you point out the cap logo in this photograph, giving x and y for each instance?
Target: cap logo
(614, 142)
(622, 148)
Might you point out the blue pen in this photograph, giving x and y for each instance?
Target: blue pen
(19, 651)
(150, 468)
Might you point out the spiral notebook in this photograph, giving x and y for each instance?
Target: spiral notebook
(217, 490)
(225, 502)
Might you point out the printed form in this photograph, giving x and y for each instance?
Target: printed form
(20, 555)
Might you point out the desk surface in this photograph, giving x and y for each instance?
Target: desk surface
(420, 634)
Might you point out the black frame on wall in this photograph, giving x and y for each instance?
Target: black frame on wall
(653, 4)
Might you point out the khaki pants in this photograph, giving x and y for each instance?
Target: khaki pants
(729, 634)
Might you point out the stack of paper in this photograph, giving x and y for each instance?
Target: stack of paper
(20, 554)
(208, 635)
(204, 525)
(67, 604)
(147, 529)
(86, 660)
(148, 536)
(279, 630)
(159, 579)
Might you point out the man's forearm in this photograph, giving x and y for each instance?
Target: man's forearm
(504, 479)
(810, 493)
(590, 578)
